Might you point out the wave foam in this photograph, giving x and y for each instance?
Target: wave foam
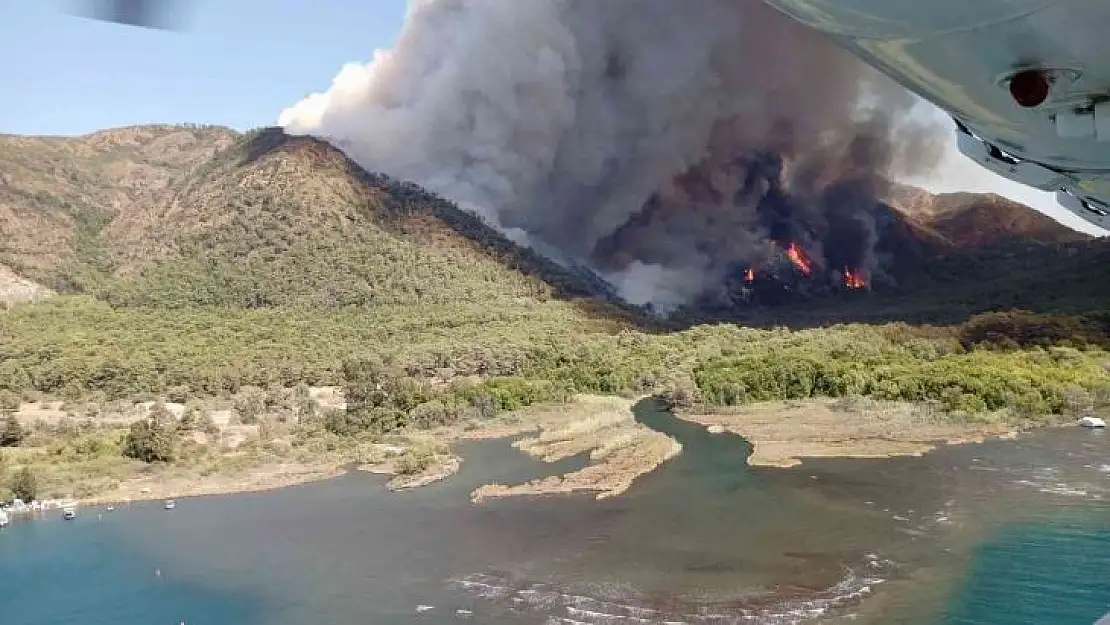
(563, 607)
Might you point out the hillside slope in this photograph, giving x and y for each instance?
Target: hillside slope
(290, 221)
(276, 261)
(173, 216)
(58, 193)
(977, 219)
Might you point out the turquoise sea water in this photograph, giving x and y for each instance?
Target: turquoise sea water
(1008, 532)
(56, 573)
(1055, 571)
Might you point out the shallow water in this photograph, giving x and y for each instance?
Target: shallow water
(1013, 531)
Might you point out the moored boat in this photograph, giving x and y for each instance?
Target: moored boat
(1092, 422)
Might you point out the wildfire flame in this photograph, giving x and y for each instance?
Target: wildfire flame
(799, 258)
(853, 280)
(749, 275)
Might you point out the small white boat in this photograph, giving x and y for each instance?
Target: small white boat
(110, 509)
(170, 504)
(69, 514)
(5, 520)
(1092, 422)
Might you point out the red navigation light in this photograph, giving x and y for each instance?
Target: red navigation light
(1029, 88)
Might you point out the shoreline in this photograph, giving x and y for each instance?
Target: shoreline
(604, 429)
(253, 480)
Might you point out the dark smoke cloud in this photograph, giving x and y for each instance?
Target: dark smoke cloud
(664, 141)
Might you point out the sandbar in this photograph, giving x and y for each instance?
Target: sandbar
(784, 433)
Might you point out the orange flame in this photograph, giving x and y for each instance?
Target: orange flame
(799, 258)
(853, 280)
(749, 275)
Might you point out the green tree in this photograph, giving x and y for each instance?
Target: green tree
(250, 405)
(24, 485)
(191, 418)
(11, 432)
(378, 396)
(150, 440)
(305, 409)
(364, 384)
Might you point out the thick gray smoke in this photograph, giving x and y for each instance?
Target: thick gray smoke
(590, 128)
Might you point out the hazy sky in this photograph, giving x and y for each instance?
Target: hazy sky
(958, 173)
(236, 63)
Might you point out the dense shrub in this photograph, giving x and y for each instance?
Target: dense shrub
(11, 432)
(24, 485)
(150, 440)
(424, 366)
(968, 382)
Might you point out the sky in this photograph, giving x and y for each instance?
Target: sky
(236, 63)
(239, 63)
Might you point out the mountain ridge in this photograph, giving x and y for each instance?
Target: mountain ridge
(299, 207)
(977, 219)
(125, 212)
(58, 193)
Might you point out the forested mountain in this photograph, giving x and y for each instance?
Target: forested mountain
(204, 259)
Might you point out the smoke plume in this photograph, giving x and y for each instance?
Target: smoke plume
(668, 143)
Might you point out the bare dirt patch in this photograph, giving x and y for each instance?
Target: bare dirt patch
(17, 290)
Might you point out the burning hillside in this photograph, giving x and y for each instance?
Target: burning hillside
(808, 224)
(687, 151)
(785, 278)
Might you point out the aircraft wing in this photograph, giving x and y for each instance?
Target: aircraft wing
(1027, 81)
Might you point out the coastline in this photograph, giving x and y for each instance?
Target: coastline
(251, 480)
(619, 449)
(602, 428)
(782, 434)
